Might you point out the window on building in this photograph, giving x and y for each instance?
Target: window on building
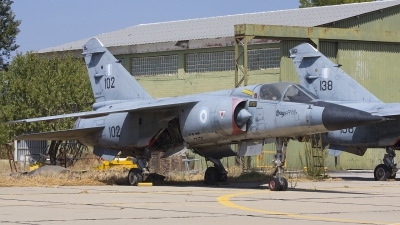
(158, 65)
(210, 62)
(224, 61)
(267, 58)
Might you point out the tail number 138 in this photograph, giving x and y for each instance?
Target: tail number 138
(325, 85)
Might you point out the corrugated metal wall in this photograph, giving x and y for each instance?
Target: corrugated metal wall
(29, 148)
(329, 49)
(387, 19)
(373, 65)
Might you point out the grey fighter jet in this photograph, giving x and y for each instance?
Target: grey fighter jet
(127, 119)
(326, 80)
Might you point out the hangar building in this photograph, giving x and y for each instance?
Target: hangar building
(198, 55)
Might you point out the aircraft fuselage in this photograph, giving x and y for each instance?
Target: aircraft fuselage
(218, 118)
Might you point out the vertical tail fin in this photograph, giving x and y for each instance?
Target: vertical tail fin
(110, 81)
(324, 78)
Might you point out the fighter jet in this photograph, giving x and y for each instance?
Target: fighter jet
(127, 120)
(326, 80)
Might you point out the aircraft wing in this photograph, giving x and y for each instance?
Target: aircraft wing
(386, 110)
(72, 134)
(136, 106)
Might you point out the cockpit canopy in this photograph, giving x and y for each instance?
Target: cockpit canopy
(285, 91)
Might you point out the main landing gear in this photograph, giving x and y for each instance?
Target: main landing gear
(141, 173)
(279, 183)
(388, 169)
(216, 174)
(134, 177)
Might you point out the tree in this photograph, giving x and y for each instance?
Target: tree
(312, 3)
(8, 32)
(36, 86)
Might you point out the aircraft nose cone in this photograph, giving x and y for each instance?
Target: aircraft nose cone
(336, 117)
(242, 117)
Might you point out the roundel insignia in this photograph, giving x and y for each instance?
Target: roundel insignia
(203, 116)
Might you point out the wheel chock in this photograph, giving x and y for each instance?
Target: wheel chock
(147, 184)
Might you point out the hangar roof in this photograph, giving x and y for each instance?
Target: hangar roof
(222, 26)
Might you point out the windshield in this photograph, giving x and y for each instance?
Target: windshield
(308, 92)
(291, 92)
(295, 94)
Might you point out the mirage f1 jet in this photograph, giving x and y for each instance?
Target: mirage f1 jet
(326, 80)
(127, 120)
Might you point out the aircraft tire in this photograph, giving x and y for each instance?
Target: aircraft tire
(274, 184)
(284, 184)
(224, 179)
(211, 176)
(381, 172)
(134, 177)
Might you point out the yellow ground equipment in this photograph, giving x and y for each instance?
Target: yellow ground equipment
(119, 163)
(36, 165)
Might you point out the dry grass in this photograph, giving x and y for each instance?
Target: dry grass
(48, 178)
(78, 175)
(82, 174)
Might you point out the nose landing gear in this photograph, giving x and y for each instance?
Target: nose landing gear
(215, 174)
(279, 183)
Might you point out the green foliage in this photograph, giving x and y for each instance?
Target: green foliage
(313, 3)
(8, 30)
(36, 86)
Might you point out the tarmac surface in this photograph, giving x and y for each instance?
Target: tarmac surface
(354, 199)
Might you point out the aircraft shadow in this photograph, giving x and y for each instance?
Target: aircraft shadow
(256, 186)
(358, 178)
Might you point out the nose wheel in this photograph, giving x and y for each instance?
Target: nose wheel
(276, 185)
(216, 174)
(278, 182)
(211, 176)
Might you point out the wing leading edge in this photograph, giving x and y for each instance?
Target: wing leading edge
(137, 106)
(387, 112)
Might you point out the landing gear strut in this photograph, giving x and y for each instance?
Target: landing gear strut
(388, 169)
(215, 174)
(279, 183)
(142, 173)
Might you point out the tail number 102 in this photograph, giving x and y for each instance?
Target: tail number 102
(325, 85)
(109, 82)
